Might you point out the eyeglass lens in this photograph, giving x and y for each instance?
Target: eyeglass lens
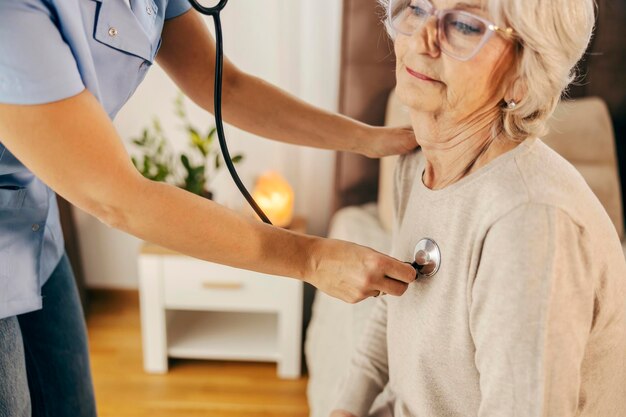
(459, 33)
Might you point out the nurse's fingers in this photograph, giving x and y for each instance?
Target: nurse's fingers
(397, 277)
(391, 286)
(400, 271)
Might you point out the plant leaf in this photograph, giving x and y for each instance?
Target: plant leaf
(197, 141)
(179, 105)
(185, 160)
(157, 125)
(211, 133)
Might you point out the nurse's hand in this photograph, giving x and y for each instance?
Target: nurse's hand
(385, 141)
(353, 273)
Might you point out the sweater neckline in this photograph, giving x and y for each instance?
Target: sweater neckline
(428, 193)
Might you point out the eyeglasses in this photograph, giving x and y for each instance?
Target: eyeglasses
(460, 34)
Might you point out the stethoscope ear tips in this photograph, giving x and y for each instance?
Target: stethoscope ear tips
(427, 258)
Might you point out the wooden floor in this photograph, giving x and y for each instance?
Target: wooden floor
(191, 388)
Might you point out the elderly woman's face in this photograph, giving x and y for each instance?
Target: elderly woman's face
(430, 81)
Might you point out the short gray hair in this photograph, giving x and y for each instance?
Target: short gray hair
(552, 36)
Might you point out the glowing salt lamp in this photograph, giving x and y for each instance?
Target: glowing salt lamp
(275, 197)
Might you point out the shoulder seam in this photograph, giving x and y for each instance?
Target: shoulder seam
(522, 205)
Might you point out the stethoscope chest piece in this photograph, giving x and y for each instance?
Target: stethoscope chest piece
(427, 257)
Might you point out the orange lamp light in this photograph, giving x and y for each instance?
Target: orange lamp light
(275, 197)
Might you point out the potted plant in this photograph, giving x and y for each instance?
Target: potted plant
(198, 167)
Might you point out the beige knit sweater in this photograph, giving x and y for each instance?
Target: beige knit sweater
(527, 315)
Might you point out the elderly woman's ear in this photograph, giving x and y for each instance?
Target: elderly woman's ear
(515, 93)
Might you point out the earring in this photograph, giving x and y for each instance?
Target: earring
(511, 104)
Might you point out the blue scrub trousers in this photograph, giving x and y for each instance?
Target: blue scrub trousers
(44, 358)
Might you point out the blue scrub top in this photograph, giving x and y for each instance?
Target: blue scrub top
(51, 50)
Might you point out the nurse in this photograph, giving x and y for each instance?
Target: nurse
(66, 69)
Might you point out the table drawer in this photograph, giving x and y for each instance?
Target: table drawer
(195, 284)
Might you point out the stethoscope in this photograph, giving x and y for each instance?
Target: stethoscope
(427, 255)
(214, 12)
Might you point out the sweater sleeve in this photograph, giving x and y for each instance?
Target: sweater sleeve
(531, 309)
(368, 372)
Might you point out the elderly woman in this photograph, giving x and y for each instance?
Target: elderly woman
(526, 315)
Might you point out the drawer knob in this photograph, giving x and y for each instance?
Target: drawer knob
(212, 285)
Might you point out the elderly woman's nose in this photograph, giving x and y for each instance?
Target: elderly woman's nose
(425, 39)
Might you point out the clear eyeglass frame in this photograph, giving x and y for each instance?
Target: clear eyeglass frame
(440, 15)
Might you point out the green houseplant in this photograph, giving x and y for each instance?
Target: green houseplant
(198, 167)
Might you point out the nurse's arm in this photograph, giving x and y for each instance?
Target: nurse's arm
(187, 54)
(73, 147)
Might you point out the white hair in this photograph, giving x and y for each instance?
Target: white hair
(552, 36)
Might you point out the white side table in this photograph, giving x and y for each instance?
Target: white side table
(201, 310)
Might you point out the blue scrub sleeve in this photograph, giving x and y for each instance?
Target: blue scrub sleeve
(176, 8)
(36, 64)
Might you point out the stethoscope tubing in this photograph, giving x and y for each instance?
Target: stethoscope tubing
(209, 11)
(214, 12)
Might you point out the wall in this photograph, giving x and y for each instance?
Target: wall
(293, 44)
